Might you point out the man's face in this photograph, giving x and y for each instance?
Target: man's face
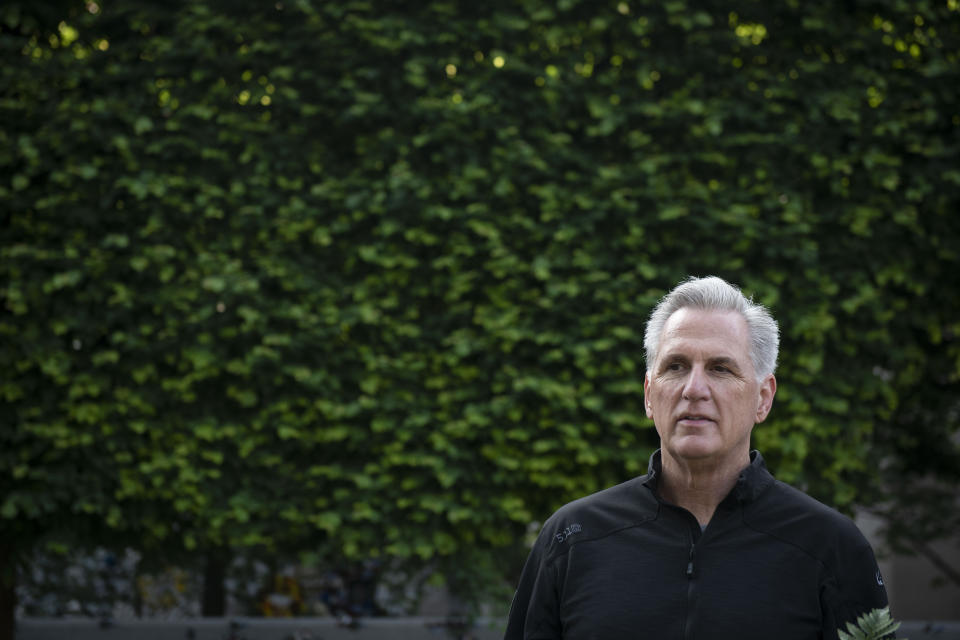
(702, 392)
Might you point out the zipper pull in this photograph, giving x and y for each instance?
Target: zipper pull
(690, 564)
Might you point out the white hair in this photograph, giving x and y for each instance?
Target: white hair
(715, 294)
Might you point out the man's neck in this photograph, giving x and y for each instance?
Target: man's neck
(699, 486)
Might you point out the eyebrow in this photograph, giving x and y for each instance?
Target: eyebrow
(722, 360)
(725, 360)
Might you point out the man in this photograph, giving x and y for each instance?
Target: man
(707, 544)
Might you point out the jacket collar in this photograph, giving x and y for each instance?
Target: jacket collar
(751, 483)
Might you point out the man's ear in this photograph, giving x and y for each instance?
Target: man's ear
(646, 395)
(768, 389)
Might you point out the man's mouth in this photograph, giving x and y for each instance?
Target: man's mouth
(695, 417)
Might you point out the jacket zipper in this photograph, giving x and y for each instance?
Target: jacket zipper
(688, 619)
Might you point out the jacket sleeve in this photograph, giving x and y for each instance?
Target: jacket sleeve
(855, 586)
(535, 611)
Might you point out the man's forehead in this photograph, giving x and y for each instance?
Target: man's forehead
(724, 332)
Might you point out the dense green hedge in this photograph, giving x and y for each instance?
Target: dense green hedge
(374, 276)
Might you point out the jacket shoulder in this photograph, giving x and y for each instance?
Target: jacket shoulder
(798, 519)
(850, 582)
(597, 515)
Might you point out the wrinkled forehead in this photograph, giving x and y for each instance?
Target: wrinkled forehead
(709, 334)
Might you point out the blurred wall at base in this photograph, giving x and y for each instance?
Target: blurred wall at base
(916, 589)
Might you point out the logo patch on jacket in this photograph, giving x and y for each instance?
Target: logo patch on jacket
(567, 532)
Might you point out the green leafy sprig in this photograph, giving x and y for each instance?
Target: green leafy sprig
(873, 625)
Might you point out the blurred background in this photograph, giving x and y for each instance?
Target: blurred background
(321, 308)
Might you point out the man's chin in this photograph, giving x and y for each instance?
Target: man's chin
(695, 448)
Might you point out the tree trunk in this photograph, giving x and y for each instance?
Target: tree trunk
(214, 592)
(8, 592)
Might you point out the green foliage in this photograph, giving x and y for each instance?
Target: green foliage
(873, 625)
(371, 279)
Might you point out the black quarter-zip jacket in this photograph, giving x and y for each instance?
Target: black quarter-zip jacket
(772, 564)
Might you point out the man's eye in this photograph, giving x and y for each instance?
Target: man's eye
(674, 366)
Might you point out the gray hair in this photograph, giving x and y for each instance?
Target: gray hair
(715, 294)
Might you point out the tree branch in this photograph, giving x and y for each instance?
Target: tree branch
(937, 560)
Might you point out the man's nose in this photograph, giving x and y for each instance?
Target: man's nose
(696, 386)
